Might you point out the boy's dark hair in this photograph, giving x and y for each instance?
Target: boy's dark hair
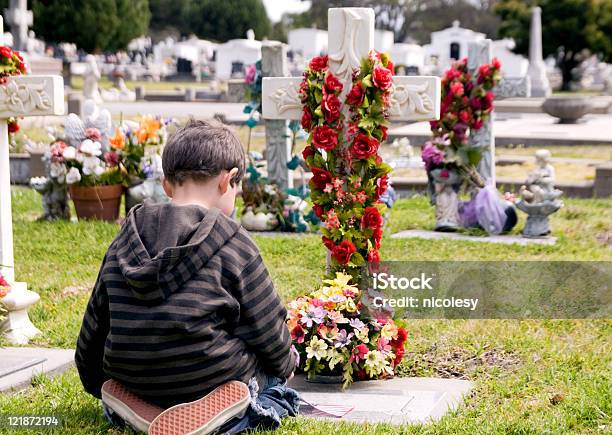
(201, 150)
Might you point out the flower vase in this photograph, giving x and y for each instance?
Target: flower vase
(97, 202)
(325, 379)
(446, 199)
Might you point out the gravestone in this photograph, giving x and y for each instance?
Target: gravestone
(278, 144)
(351, 38)
(394, 401)
(479, 53)
(540, 86)
(21, 96)
(19, 365)
(20, 18)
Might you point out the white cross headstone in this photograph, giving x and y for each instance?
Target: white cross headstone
(278, 145)
(351, 38)
(20, 96)
(20, 18)
(481, 52)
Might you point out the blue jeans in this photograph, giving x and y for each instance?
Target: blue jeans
(268, 406)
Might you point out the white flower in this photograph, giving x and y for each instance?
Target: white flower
(70, 153)
(57, 171)
(92, 165)
(73, 176)
(317, 349)
(91, 148)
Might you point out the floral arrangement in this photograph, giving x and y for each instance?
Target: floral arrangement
(253, 80)
(334, 336)
(137, 147)
(348, 173)
(465, 107)
(5, 287)
(11, 64)
(134, 153)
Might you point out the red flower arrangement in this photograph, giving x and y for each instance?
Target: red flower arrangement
(465, 107)
(11, 64)
(342, 152)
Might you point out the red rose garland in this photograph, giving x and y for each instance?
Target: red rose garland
(348, 173)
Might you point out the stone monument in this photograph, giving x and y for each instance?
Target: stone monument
(539, 198)
(540, 87)
(479, 53)
(90, 80)
(20, 96)
(20, 18)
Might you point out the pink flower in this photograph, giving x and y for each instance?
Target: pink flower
(359, 352)
(111, 158)
(456, 89)
(93, 134)
(432, 156)
(249, 77)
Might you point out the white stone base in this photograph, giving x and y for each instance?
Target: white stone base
(18, 328)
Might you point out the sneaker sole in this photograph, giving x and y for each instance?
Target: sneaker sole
(131, 408)
(204, 415)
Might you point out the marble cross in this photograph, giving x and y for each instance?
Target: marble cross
(278, 144)
(481, 52)
(20, 96)
(351, 38)
(20, 18)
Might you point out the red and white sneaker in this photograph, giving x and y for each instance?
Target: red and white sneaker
(136, 412)
(204, 415)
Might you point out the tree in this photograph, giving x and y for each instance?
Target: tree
(93, 25)
(571, 30)
(169, 14)
(221, 20)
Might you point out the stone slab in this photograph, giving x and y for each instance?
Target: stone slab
(50, 362)
(395, 401)
(10, 364)
(502, 239)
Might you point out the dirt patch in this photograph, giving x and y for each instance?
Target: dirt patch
(456, 363)
(73, 290)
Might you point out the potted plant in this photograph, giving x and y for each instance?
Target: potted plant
(95, 179)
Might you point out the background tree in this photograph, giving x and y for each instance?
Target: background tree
(93, 25)
(169, 15)
(571, 30)
(221, 20)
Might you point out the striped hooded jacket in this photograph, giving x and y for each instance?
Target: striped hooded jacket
(182, 303)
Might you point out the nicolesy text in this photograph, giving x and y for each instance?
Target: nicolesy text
(384, 281)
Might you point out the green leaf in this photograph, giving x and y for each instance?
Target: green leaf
(474, 156)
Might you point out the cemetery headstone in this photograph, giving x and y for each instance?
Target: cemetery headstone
(20, 18)
(20, 96)
(479, 53)
(540, 87)
(278, 144)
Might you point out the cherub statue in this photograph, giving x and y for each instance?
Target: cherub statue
(540, 184)
(93, 117)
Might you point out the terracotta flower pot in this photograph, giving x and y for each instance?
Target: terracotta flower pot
(97, 202)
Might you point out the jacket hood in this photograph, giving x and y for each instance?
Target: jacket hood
(166, 244)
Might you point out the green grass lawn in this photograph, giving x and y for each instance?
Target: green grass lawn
(531, 376)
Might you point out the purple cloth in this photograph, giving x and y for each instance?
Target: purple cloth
(486, 210)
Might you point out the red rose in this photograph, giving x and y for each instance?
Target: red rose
(456, 89)
(318, 211)
(377, 237)
(483, 72)
(444, 173)
(475, 103)
(306, 119)
(477, 125)
(13, 127)
(383, 130)
(318, 63)
(399, 355)
(495, 63)
(343, 252)
(364, 146)
(373, 256)
(320, 177)
(371, 218)
(328, 243)
(308, 152)
(332, 84)
(391, 67)
(355, 95)
(490, 96)
(381, 186)
(325, 137)
(464, 116)
(6, 52)
(331, 107)
(382, 78)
